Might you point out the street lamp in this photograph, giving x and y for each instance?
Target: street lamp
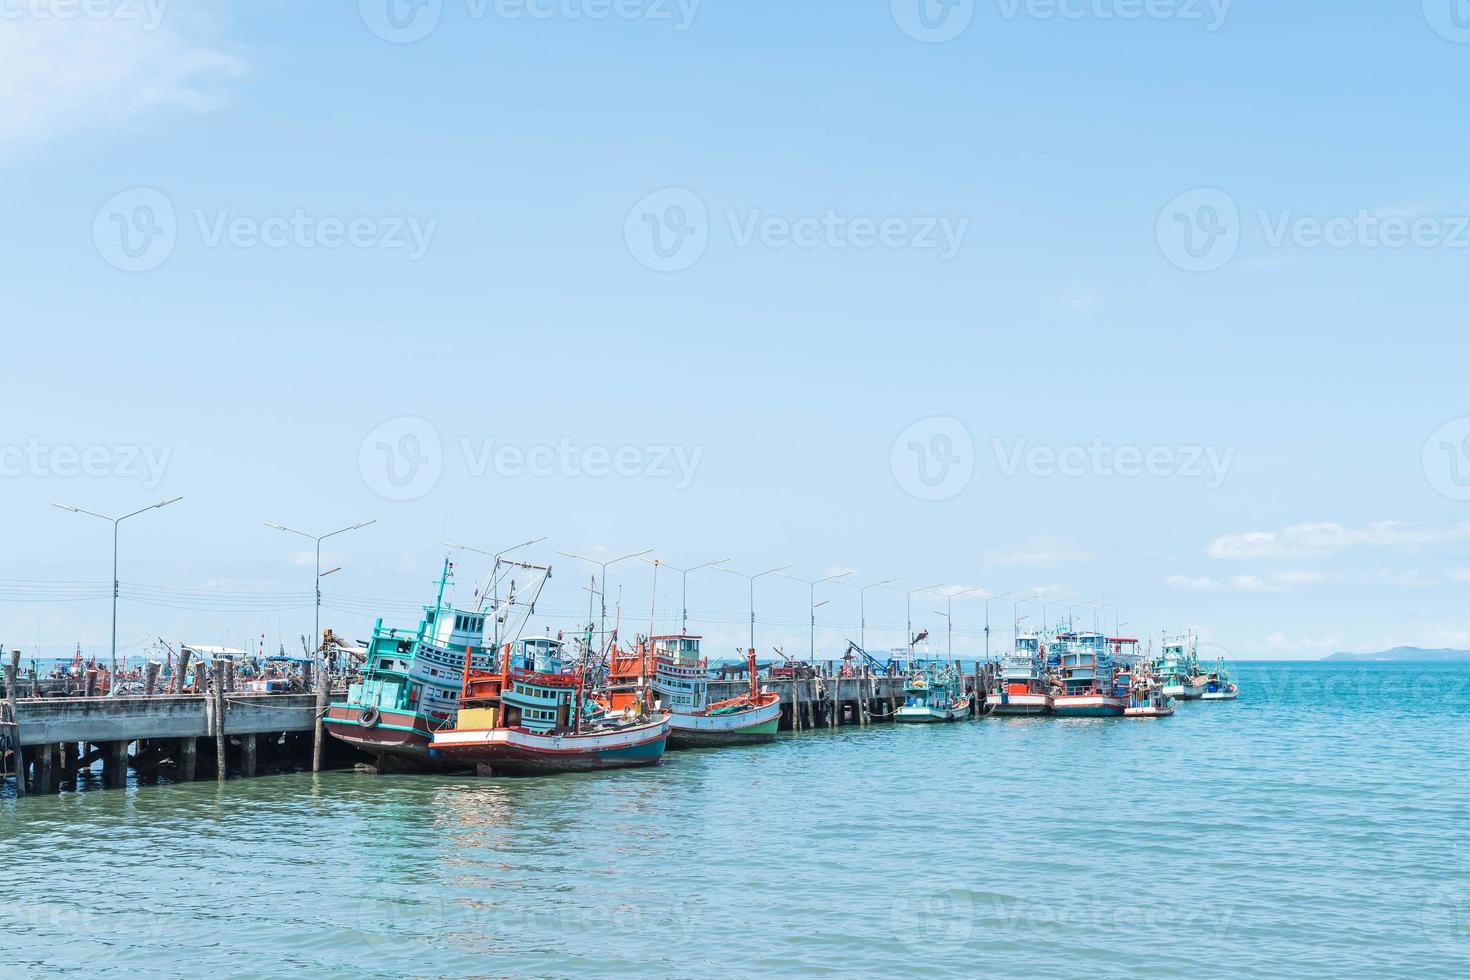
(495, 580)
(751, 579)
(812, 585)
(604, 565)
(684, 593)
(317, 635)
(908, 604)
(115, 522)
(863, 608)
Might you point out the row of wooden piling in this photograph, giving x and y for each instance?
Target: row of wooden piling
(815, 701)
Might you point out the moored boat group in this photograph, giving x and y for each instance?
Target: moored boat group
(445, 697)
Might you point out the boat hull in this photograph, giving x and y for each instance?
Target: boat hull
(1088, 706)
(744, 728)
(1021, 704)
(517, 752)
(399, 739)
(1229, 694)
(925, 715)
(1184, 692)
(1149, 711)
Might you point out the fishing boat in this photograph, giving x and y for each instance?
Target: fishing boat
(1023, 686)
(534, 717)
(681, 679)
(1217, 684)
(1146, 697)
(409, 685)
(932, 693)
(1088, 682)
(1178, 667)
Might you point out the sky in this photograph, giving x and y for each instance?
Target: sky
(1155, 308)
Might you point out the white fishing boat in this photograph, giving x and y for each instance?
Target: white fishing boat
(932, 694)
(1178, 668)
(1023, 687)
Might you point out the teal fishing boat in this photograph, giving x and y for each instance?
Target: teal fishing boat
(933, 693)
(1178, 667)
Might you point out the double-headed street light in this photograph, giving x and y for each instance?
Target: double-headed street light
(908, 605)
(602, 588)
(862, 591)
(495, 580)
(812, 585)
(115, 522)
(317, 582)
(684, 591)
(751, 579)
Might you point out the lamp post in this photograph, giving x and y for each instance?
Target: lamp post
(862, 591)
(812, 585)
(605, 565)
(752, 578)
(318, 539)
(908, 605)
(495, 580)
(115, 522)
(684, 588)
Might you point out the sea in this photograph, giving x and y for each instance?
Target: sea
(1317, 827)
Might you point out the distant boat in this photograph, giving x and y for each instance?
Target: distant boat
(535, 717)
(1024, 688)
(1088, 684)
(932, 693)
(1217, 684)
(681, 679)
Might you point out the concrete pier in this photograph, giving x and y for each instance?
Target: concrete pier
(59, 737)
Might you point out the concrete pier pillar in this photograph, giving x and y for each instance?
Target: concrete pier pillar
(248, 747)
(188, 759)
(115, 765)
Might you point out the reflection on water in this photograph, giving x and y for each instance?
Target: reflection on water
(1313, 827)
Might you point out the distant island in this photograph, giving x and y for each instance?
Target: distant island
(1401, 655)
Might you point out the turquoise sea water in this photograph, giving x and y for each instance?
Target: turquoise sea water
(1320, 826)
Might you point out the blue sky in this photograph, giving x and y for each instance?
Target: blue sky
(912, 306)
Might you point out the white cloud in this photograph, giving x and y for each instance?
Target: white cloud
(86, 74)
(1279, 642)
(1273, 582)
(1039, 557)
(1324, 538)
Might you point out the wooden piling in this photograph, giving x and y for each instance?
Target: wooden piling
(89, 687)
(17, 757)
(178, 682)
(319, 733)
(150, 678)
(836, 718)
(219, 721)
